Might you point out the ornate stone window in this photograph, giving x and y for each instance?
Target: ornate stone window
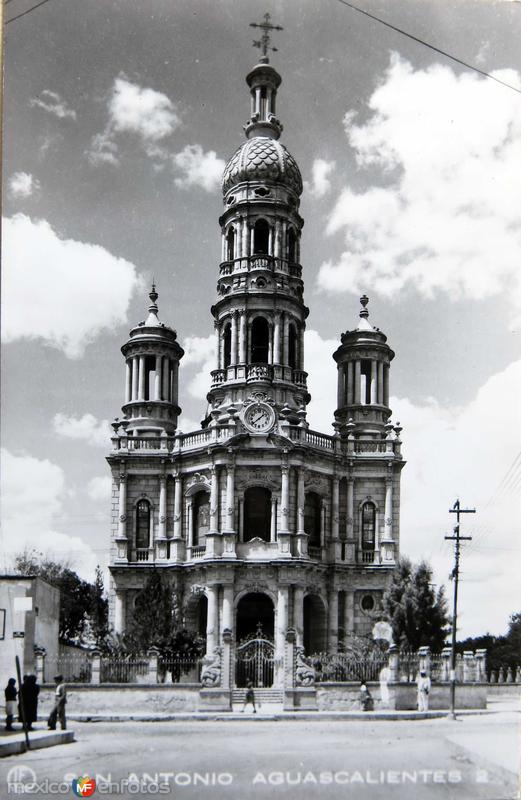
(292, 346)
(367, 603)
(260, 338)
(201, 518)
(230, 244)
(312, 518)
(261, 236)
(143, 518)
(291, 245)
(368, 526)
(257, 513)
(227, 344)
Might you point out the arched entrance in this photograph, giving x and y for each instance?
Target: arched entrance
(315, 625)
(254, 658)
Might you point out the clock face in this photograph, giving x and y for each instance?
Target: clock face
(259, 417)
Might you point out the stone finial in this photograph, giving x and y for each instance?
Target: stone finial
(364, 301)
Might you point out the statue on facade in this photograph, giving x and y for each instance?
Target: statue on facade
(304, 672)
(211, 673)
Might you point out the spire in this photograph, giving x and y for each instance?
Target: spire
(264, 81)
(153, 310)
(364, 324)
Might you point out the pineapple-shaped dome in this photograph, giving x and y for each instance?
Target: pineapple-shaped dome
(261, 159)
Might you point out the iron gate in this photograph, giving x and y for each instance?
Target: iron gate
(255, 661)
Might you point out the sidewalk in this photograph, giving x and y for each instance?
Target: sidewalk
(14, 743)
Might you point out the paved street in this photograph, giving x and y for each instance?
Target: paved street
(470, 759)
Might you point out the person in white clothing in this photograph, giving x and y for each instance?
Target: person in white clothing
(424, 687)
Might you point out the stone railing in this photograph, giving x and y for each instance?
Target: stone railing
(505, 675)
(260, 261)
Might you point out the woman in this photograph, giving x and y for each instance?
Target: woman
(29, 694)
(10, 703)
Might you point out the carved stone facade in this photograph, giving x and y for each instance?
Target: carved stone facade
(255, 518)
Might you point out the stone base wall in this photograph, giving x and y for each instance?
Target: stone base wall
(402, 696)
(124, 700)
(503, 689)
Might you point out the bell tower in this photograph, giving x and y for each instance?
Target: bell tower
(260, 315)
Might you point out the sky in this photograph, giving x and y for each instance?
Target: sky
(119, 116)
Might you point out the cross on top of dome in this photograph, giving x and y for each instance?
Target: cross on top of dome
(264, 42)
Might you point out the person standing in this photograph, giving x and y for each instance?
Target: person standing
(29, 695)
(424, 687)
(366, 698)
(60, 700)
(10, 693)
(250, 697)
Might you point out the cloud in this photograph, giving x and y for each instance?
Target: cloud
(445, 218)
(320, 183)
(199, 168)
(61, 290)
(53, 103)
(452, 452)
(148, 114)
(99, 488)
(23, 184)
(199, 351)
(87, 428)
(33, 492)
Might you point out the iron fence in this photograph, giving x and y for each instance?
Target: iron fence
(124, 670)
(75, 667)
(343, 667)
(179, 670)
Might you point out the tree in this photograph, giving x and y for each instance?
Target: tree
(502, 651)
(99, 611)
(416, 613)
(156, 622)
(75, 593)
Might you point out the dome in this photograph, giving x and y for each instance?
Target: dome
(261, 159)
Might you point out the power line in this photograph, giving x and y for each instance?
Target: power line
(430, 46)
(41, 3)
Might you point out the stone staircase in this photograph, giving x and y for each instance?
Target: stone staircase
(263, 697)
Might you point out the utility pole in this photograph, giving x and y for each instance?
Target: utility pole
(457, 539)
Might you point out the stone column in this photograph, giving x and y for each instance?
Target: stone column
(350, 383)
(340, 386)
(165, 375)
(349, 614)
(357, 382)
(270, 343)
(252, 241)
(468, 666)
(281, 627)
(270, 240)
(374, 394)
(445, 663)
(278, 236)
(302, 544)
(213, 534)
(481, 666)
(122, 521)
(298, 614)
(217, 344)
(242, 336)
(157, 379)
(95, 667)
(39, 668)
(334, 548)
(135, 378)
(245, 239)
(285, 339)
(141, 390)
(189, 522)
(388, 513)
(177, 545)
(350, 553)
(300, 361)
(233, 354)
(276, 339)
(227, 609)
(212, 619)
(128, 381)
(386, 385)
(332, 621)
(161, 530)
(229, 533)
(273, 521)
(380, 399)
(393, 663)
(119, 611)
(284, 535)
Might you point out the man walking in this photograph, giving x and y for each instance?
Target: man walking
(249, 698)
(60, 699)
(424, 687)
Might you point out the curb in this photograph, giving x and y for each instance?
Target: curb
(14, 747)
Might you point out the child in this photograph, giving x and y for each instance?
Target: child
(10, 703)
(366, 700)
(250, 697)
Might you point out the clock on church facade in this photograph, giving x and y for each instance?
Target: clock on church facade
(257, 519)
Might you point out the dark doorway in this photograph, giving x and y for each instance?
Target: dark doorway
(257, 513)
(312, 518)
(315, 625)
(260, 338)
(254, 610)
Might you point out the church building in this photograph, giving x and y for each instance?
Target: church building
(262, 524)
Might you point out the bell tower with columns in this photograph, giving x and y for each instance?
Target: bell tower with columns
(260, 315)
(152, 357)
(363, 361)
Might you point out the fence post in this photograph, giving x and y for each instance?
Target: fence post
(95, 674)
(445, 663)
(424, 660)
(510, 675)
(481, 666)
(493, 676)
(500, 675)
(468, 666)
(39, 653)
(152, 655)
(393, 663)
(226, 678)
(518, 674)
(459, 667)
